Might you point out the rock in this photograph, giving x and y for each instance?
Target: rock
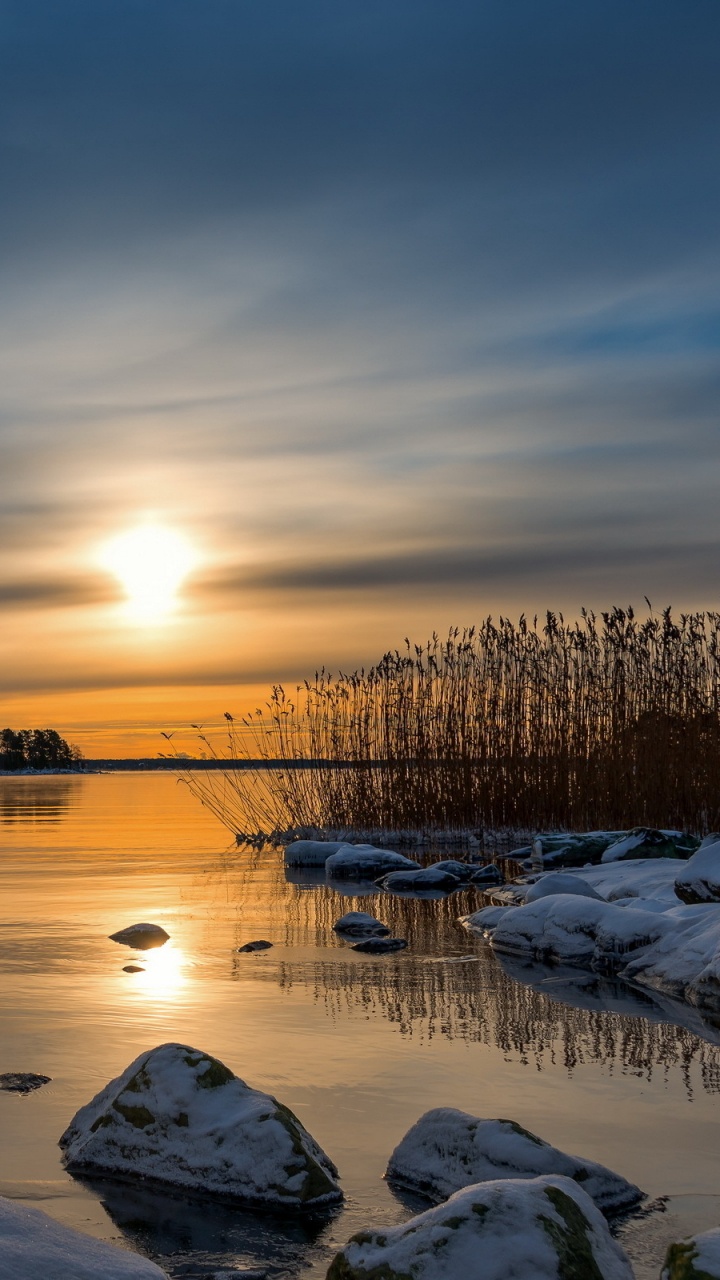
(416, 881)
(697, 1258)
(483, 921)
(699, 879)
(22, 1081)
(571, 849)
(311, 853)
(365, 862)
(448, 1150)
(463, 870)
(380, 946)
(133, 968)
(141, 936)
(360, 924)
(540, 1229)
(558, 883)
(645, 842)
(259, 945)
(489, 874)
(35, 1247)
(180, 1118)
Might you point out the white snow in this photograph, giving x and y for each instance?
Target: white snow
(448, 1149)
(556, 882)
(702, 1252)
(358, 862)
(35, 1247)
(311, 853)
(699, 878)
(180, 1117)
(492, 1231)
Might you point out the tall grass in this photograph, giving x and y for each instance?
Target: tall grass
(606, 722)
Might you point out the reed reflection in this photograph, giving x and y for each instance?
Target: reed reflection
(452, 985)
(36, 801)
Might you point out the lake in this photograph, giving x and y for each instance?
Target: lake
(358, 1046)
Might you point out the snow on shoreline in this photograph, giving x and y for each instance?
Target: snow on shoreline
(638, 929)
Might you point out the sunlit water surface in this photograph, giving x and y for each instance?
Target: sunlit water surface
(357, 1046)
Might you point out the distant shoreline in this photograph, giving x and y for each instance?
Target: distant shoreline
(150, 765)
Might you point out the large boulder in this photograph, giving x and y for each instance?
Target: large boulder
(311, 853)
(570, 849)
(541, 1229)
(420, 881)
(697, 1258)
(646, 842)
(365, 862)
(448, 1150)
(699, 879)
(181, 1118)
(35, 1247)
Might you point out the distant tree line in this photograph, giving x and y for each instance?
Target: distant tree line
(36, 749)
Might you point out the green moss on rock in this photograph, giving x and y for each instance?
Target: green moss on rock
(571, 1242)
(680, 1263)
(341, 1269)
(139, 1117)
(216, 1075)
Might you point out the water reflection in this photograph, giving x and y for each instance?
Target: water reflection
(452, 986)
(33, 801)
(173, 1229)
(161, 973)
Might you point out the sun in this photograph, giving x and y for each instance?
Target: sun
(151, 562)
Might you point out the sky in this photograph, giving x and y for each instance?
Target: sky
(397, 314)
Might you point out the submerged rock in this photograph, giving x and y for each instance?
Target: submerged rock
(365, 862)
(141, 936)
(35, 1247)
(22, 1081)
(179, 1117)
(646, 842)
(380, 946)
(541, 1229)
(448, 1149)
(311, 853)
(699, 879)
(697, 1258)
(360, 924)
(259, 945)
(558, 883)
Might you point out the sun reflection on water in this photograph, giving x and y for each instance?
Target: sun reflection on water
(164, 974)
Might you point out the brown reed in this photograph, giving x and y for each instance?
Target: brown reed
(606, 722)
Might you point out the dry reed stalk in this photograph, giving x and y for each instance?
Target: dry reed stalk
(609, 722)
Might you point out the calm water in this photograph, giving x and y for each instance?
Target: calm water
(358, 1046)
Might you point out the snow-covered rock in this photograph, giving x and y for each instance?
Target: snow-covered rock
(463, 870)
(699, 879)
(594, 934)
(141, 936)
(484, 921)
(35, 1247)
(696, 1258)
(448, 1150)
(488, 874)
(555, 883)
(540, 1229)
(643, 879)
(180, 1117)
(569, 849)
(365, 862)
(311, 853)
(417, 881)
(360, 924)
(645, 842)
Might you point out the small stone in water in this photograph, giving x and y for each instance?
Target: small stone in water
(380, 946)
(260, 945)
(133, 968)
(141, 936)
(22, 1081)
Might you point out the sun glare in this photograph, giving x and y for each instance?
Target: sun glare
(151, 562)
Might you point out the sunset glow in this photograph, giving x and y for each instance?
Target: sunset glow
(151, 562)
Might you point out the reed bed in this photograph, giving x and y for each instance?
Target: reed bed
(606, 722)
